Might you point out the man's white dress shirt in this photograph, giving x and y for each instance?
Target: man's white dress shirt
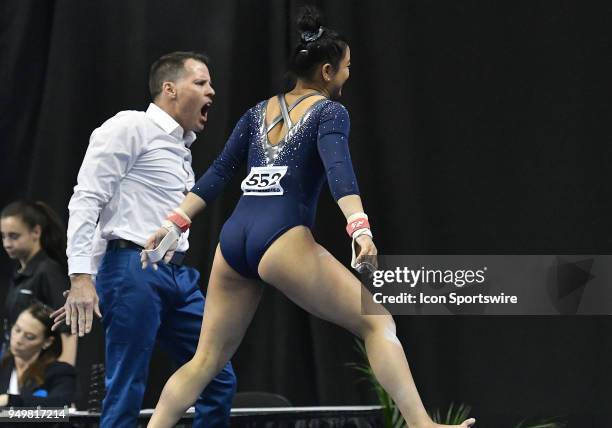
(137, 168)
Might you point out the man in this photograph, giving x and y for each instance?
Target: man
(136, 170)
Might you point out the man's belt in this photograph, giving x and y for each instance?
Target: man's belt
(117, 244)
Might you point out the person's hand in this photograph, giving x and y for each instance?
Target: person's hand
(59, 315)
(366, 254)
(4, 400)
(81, 303)
(153, 244)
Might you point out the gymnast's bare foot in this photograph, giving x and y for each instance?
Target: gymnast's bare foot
(466, 424)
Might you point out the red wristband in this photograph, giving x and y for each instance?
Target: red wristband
(359, 223)
(180, 221)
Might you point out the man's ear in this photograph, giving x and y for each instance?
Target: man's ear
(169, 89)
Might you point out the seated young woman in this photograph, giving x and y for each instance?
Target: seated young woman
(30, 373)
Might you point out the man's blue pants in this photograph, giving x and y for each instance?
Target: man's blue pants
(142, 306)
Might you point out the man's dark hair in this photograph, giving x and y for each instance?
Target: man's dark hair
(169, 68)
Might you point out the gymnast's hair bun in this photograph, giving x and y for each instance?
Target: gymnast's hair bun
(309, 19)
(317, 45)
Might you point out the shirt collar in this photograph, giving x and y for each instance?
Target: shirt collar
(169, 125)
(32, 264)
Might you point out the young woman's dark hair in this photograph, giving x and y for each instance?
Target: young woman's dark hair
(36, 372)
(317, 45)
(53, 233)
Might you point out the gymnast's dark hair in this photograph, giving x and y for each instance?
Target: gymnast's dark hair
(169, 67)
(317, 45)
(53, 233)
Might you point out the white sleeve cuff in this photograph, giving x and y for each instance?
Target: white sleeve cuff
(79, 264)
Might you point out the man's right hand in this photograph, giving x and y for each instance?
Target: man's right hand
(81, 303)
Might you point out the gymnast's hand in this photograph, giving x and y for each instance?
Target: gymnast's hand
(366, 253)
(81, 303)
(160, 246)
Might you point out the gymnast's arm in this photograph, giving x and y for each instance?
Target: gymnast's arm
(223, 169)
(214, 180)
(333, 148)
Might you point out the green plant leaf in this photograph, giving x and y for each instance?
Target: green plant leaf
(455, 414)
(544, 423)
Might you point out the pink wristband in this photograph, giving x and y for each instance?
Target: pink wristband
(180, 221)
(355, 225)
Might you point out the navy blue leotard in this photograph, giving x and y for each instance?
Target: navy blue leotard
(314, 149)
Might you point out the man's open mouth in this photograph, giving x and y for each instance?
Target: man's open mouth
(205, 108)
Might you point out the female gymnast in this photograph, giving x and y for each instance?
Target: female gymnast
(292, 143)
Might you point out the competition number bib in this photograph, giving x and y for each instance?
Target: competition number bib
(264, 181)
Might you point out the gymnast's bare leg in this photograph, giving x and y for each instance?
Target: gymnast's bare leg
(231, 302)
(321, 285)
